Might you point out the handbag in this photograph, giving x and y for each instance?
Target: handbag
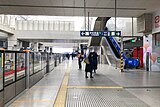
(86, 60)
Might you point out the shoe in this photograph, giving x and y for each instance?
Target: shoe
(91, 77)
(86, 77)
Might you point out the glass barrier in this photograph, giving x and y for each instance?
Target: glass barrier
(37, 62)
(31, 58)
(44, 59)
(21, 66)
(9, 68)
(51, 58)
(1, 71)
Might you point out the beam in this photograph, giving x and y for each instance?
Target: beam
(69, 7)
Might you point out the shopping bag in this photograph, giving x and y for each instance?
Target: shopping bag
(86, 60)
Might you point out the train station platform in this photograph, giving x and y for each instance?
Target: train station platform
(66, 86)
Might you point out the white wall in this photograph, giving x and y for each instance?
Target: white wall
(48, 35)
(45, 25)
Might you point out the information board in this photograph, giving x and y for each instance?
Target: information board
(100, 33)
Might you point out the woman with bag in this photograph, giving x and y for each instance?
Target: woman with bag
(88, 67)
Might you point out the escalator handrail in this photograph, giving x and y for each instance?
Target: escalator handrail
(117, 46)
(111, 49)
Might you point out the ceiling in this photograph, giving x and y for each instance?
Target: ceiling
(96, 8)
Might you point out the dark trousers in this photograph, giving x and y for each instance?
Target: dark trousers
(80, 65)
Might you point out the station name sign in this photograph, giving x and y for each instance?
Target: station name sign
(100, 33)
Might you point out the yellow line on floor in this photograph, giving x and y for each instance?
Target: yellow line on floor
(43, 86)
(34, 101)
(107, 87)
(61, 97)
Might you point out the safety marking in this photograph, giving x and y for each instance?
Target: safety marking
(61, 97)
(104, 87)
(44, 86)
(18, 101)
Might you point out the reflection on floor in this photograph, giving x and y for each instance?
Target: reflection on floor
(108, 88)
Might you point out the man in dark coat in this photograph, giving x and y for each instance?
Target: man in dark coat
(95, 62)
(89, 66)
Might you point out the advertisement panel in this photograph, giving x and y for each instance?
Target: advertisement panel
(1, 71)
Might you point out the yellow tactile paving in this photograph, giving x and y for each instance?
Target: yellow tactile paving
(61, 97)
(112, 87)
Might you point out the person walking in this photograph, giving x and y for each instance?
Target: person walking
(89, 63)
(95, 61)
(80, 59)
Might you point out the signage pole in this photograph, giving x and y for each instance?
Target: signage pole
(88, 21)
(85, 14)
(115, 14)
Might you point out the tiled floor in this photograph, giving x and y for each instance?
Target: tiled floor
(108, 88)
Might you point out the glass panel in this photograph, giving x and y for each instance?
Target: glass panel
(37, 62)
(123, 24)
(31, 63)
(21, 66)
(44, 59)
(1, 71)
(9, 68)
(52, 59)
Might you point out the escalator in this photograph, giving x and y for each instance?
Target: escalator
(100, 25)
(116, 53)
(115, 48)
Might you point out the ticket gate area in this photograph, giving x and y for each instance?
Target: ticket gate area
(21, 70)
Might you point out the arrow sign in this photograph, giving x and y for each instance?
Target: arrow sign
(83, 33)
(100, 33)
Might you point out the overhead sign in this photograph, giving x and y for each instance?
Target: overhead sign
(100, 33)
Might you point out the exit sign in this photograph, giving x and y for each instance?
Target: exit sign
(133, 40)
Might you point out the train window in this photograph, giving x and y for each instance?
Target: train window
(9, 68)
(37, 62)
(31, 57)
(21, 66)
(1, 71)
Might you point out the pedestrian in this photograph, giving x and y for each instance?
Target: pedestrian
(68, 56)
(72, 55)
(88, 67)
(95, 61)
(80, 59)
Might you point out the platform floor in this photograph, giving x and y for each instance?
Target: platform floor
(66, 86)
